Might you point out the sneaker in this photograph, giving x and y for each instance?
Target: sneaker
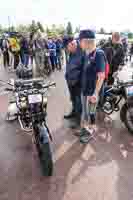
(86, 135)
(70, 115)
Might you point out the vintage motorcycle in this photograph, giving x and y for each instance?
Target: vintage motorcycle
(30, 108)
(113, 98)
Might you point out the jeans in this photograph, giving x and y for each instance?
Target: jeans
(25, 59)
(53, 62)
(6, 58)
(86, 107)
(58, 60)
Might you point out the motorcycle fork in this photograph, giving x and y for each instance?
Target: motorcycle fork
(117, 103)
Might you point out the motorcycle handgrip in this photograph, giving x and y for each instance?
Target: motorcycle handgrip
(49, 85)
(21, 82)
(8, 89)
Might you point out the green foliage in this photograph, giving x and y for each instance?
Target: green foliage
(40, 27)
(33, 27)
(55, 30)
(22, 28)
(102, 31)
(77, 29)
(130, 35)
(1, 29)
(69, 30)
(12, 28)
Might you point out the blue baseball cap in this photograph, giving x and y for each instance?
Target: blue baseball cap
(67, 40)
(87, 34)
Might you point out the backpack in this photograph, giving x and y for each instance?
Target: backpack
(107, 66)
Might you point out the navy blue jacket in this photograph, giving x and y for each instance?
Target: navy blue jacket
(74, 67)
(24, 46)
(94, 63)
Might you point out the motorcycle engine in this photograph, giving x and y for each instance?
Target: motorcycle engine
(109, 105)
(23, 103)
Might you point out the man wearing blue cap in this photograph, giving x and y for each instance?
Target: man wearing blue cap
(92, 80)
(74, 66)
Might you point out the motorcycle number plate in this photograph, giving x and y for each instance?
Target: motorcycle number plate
(129, 91)
(35, 98)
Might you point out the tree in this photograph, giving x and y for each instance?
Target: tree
(102, 31)
(69, 30)
(60, 30)
(12, 28)
(33, 27)
(40, 27)
(22, 28)
(77, 30)
(1, 29)
(48, 31)
(130, 35)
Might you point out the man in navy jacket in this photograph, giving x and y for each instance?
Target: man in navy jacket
(73, 74)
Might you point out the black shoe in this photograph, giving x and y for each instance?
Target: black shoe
(70, 115)
(85, 136)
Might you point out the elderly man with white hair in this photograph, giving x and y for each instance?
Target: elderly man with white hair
(74, 68)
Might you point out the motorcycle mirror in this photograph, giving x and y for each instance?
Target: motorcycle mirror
(52, 84)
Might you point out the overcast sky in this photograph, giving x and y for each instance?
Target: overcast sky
(111, 14)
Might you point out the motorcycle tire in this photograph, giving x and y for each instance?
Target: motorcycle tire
(124, 116)
(45, 156)
(46, 160)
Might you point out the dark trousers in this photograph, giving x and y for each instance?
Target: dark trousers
(53, 62)
(75, 95)
(6, 58)
(16, 59)
(58, 61)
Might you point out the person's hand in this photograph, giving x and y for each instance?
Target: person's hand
(93, 98)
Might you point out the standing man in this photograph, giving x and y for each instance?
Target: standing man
(73, 74)
(15, 50)
(131, 52)
(52, 50)
(24, 50)
(115, 55)
(5, 51)
(39, 49)
(58, 53)
(92, 80)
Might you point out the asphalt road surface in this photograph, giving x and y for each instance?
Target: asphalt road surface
(101, 170)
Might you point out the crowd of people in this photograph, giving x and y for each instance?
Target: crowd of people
(88, 70)
(26, 48)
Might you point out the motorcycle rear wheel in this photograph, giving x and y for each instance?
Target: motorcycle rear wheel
(126, 115)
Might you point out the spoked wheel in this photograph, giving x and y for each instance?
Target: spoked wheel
(44, 154)
(126, 115)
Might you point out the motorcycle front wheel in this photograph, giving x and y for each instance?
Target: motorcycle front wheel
(45, 156)
(126, 115)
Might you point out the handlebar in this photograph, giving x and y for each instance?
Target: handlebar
(49, 85)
